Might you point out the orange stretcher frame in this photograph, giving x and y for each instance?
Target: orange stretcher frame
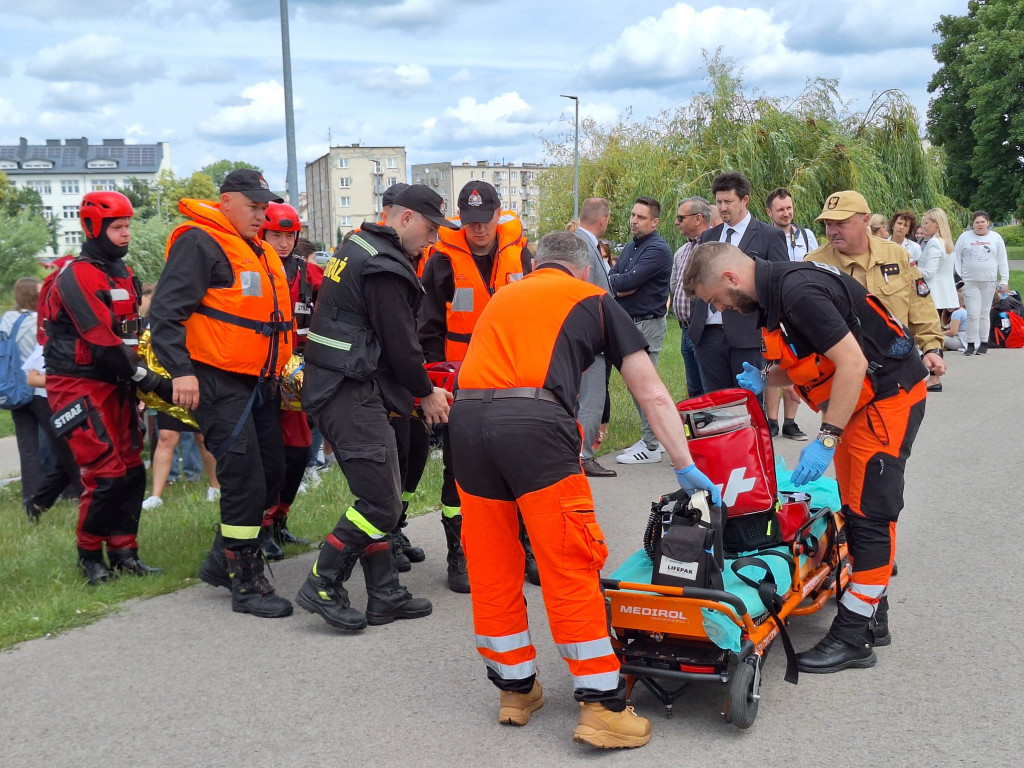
(658, 632)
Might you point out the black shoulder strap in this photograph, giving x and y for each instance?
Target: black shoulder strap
(768, 591)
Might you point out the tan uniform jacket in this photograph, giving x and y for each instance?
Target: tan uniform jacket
(890, 276)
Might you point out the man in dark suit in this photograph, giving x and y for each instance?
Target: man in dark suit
(726, 340)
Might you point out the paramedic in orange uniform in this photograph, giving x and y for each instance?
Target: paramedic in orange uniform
(854, 362)
(515, 442)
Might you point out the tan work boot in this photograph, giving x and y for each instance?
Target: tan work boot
(600, 727)
(516, 707)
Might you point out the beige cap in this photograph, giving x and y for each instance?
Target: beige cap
(842, 205)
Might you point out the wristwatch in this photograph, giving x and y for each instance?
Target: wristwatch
(828, 440)
(829, 435)
(937, 351)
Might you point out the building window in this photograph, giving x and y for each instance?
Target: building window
(343, 162)
(73, 238)
(515, 175)
(346, 221)
(42, 187)
(472, 174)
(444, 174)
(504, 190)
(70, 211)
(47, 212)
(392, 180)
(104, 185)
(392, 162)
(346, 182)
(346, 202)
(444, 191)
(514, 205)
(69, 187)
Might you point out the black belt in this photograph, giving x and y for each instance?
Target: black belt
(522, 393)
(641, 318)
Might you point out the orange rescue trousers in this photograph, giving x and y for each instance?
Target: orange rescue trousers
(870, 463)
(503, 450)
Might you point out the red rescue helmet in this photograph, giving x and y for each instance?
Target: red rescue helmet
(281, 217)
(97, 206)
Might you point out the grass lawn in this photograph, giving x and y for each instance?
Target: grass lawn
(6, 423)
(41, 591)
(1015, 253)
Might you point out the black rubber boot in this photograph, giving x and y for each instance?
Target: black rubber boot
(415, 554)
(214, 570)
(880, 625)
(532, 573)
(90, 563)
(250, 590)
(33, 512)
(323, 593)
(284, 536)
(125, 562)
(402, 563)
(386, 599)
(269, 545)
(458, 576)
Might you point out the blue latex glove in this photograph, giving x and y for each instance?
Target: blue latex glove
(751, 379)
(692, 479)
(814, 460)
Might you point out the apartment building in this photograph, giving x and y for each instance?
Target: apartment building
(516, 185)
(63, 171)
(345, 187)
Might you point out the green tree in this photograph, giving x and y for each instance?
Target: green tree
(146, 252)
(977, 116)
(811, 145)
(21, 237)
(14, 202)
(143, 197)
(218, 171)
(169, 190)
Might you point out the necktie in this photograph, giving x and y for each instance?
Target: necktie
(728, 235)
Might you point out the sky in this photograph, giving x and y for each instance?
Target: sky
(450, 80)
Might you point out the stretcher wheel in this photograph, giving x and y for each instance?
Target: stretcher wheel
(742, 708)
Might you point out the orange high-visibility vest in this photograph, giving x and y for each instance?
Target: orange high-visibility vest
(471, 293)
(515, 339)
(236, 328)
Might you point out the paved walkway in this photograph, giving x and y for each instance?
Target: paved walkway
(180, 680)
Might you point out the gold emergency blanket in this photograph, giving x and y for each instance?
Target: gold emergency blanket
(291, 384)
(152, 399)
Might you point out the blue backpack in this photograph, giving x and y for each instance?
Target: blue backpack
(14, 389)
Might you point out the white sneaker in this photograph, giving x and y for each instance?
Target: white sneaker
(639, 453)
(311, 478)
(152, 502)
(302, 488)
(212, 494)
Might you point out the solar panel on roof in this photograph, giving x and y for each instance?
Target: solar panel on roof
(8, 153)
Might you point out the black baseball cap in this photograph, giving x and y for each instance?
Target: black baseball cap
(425, 201)
(391, 192)
(478, 201)
(251, 184)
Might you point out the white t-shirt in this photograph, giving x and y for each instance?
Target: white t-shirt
(36, 362)
(981, 257)
(913, 249)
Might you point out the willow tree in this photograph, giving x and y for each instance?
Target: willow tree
(812, 144)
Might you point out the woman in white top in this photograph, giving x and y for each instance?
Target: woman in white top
(902, 226)
(980, 260)
(936, 262)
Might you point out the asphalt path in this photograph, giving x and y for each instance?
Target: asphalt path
(180, 680)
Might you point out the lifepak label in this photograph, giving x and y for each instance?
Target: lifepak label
(677, 568)
(652, 613)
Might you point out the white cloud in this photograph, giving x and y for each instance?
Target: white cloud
(93, 58)
(211, 73)
(9, 115)
(79, 97)
(402, 79)
(659, 51)
(461, 77)
(257, 117)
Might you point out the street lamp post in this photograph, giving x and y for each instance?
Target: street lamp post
(289, 113)
(575, 160)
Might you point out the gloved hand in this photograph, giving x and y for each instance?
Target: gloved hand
(751, 379)
(148, 381)
(692, 479)
(814, 460)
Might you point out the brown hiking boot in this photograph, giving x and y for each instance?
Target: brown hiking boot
(516, 707)
(603, 728)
